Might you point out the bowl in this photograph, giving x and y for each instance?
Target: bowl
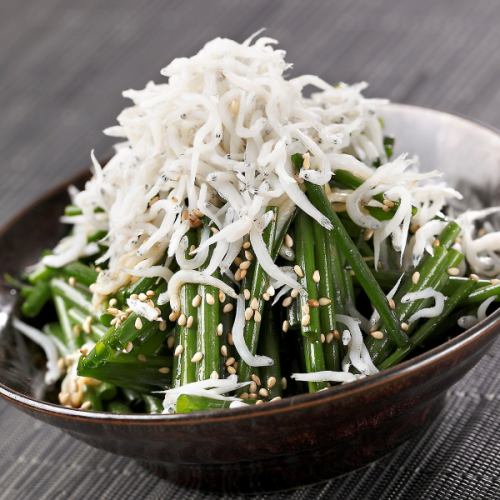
(298, 440)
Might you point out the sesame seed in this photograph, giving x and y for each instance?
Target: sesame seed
(243, 273)
(174, 315)
(306, 319)
(254, 303)
(305, 308)
(86, 405)
(453, 271)
(271, 291)
(495, 281)
(179, 350)
(436, 243)
(237, 261)
(227, 308)
(377, 334)
(246, 294)
(189, 322)
(113, 310)
(256, 379)
(257, 317)
(244, 395)
(76, 399)
(329, 338)
(263, 392)
(163, 325)
(197, 357)
(77, 329)
(222, 296)
(306, 161)
(128, 347)
(209, 298)
(196, 301)
(266, 296)
(259, 402)
(474, 277)
(72, 281)
(313, 303)
(231, 370)
(276, 398)
(234, 107)
(150, 293)
(392, 304)
(138, 323)
(298, 271)
(285, 326)
(84, 351)
(113, 302)
(230, 339)
(182, 320)
(405, 326)
(324, 301)
(294, 293)
(223, 351)
(336, 334)
(248, 313)
(214, 375)
(288, 240)
(249, 255)
(164, 370)
(252, 388)
(284, 383)
(287, 301)
(142, 358)
(237, 275)
(245, 265)
(170, 341)
(246, 245)
(230, 361)
(271, 382)
(220, 329)
(368, 233)
(143, 297)
(316, 276)
(415, 277)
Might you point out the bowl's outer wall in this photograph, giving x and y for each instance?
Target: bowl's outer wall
(299, 440)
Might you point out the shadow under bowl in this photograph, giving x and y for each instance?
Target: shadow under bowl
(297, 440)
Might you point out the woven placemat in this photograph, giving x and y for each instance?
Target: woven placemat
(63, 67)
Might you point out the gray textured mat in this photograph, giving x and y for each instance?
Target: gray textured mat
(63, 65)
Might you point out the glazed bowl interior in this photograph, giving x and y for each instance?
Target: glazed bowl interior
(310, 436)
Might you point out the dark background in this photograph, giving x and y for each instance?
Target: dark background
(63, 65)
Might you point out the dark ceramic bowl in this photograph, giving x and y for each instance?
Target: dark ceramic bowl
(295, 441)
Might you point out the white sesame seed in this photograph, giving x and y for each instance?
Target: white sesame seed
(377, 334)
(284, 383)
(259, 402)
(150, 293)
(222, 296)
(298, 271)
(209, 298)
(243, 273)
(198, 356)
(196, 301)
(252, 388)
(86, 405)
(227, 308)
(306, 161)
(143, 297)
(179, 350)
(271, 291)
(263, 392)
(495, 281)
(271, 382)
(230, 339)
(285, 326)
(214, 375)
(220, 329)
(72, 281)
(163, 325)
(246, 294)
(230, 361)
(392, 304)
(276, 398)
(316, 276)
(415, 277)
(138, 323)
(257, 317)
(223, 351)
(245, 265)
(306, 319)
(174, 315)
(190, 321)
(237, 275)
(113, 310)
(405, 326)
(128, 347)
(324, 301)
(231, 370)
(248, 313)
(249, 255)
(246, 245)
(234, 107)
(170, 341)
(329, 338)
(288, 240)
(182, 320)
(254, 303)
(266, 296)
(112, 303)
(164, 370)
(287, 302)
(256, 379)
(474, 277)
(294, 293)
(453, 271)
(305, 308)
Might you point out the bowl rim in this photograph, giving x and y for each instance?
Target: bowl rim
(487, 327)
